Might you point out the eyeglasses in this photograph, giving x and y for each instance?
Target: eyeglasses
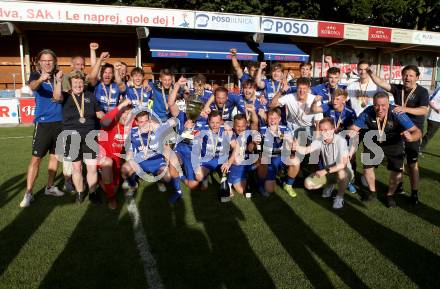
(46, 61)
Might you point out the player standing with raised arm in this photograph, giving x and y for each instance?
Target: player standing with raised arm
(48, 124)
(412, 99)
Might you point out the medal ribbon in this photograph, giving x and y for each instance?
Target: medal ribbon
(141, 98)
(143, 146)
(164, 97)
(381, 127)
(80, 109)
(107, 94)
(404, 103)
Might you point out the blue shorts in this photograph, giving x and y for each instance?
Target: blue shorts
(238, 173)
(272, 169)
(212, 165)
(183, 151)
(153, 164)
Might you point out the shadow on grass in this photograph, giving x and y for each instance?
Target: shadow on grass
(299, 239)
(427, 173)
(421, 210)
(182, 253)
(418, 263)
(10, 188)
(16, 234)
(431, 154)
(100, 253)
(237, 265)
(188, 258)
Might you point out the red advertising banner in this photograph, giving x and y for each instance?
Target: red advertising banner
(379, 34)
(330, 30)
(27, 110)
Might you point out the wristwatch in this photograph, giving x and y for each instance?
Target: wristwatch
(327, 170)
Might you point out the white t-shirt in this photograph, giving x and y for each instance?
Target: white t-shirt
(354, 90)
(433, 115)
(332, 153)
(299, 113)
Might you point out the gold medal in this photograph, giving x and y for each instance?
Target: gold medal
(144, 148)
(362, 95)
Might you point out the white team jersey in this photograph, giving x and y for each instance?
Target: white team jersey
(354, 90)
(298, 113)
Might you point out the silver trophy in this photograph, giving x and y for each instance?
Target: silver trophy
(193, 105)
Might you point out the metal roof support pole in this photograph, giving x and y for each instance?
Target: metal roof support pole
(391, 66)
(322, 62)
(312, 58)
(379, 61)
(435, 73)
(27, 58)
(23, 78)
(138, 54)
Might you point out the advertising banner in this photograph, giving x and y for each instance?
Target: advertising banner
(356, 32)
(94, 14)
(331, 30)
(379, 34)
(27, 110)
(289, 26)
(9, 111)
(229, 22)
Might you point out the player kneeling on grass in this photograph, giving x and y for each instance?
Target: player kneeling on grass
(343, 117)
(335, 155)
(242, 145)
(210, 147)
(111, 141)
(146, 155)
(273, 138)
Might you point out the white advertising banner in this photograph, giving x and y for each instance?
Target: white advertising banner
(9, 111)
(229, 22)
(426, 38)
(94, 14)
(289, 26)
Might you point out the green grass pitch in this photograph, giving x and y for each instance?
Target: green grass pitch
(277, 242)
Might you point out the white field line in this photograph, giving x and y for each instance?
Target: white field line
(148, 261)
(16, 137)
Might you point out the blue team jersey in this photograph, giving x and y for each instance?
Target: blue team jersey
(243, 141)
(370, 113)
(244, 77)
(234, 100)
(325, 91)
(395, 125)
(138, 96)
(149, 140)
(107, 95)
(46, 109)
(271, 88)
(344, 119)
(182, 118)
(160, 100)
(258, 106)
(206, 95)
(276, 145)
(153, 142)
(212, 143)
